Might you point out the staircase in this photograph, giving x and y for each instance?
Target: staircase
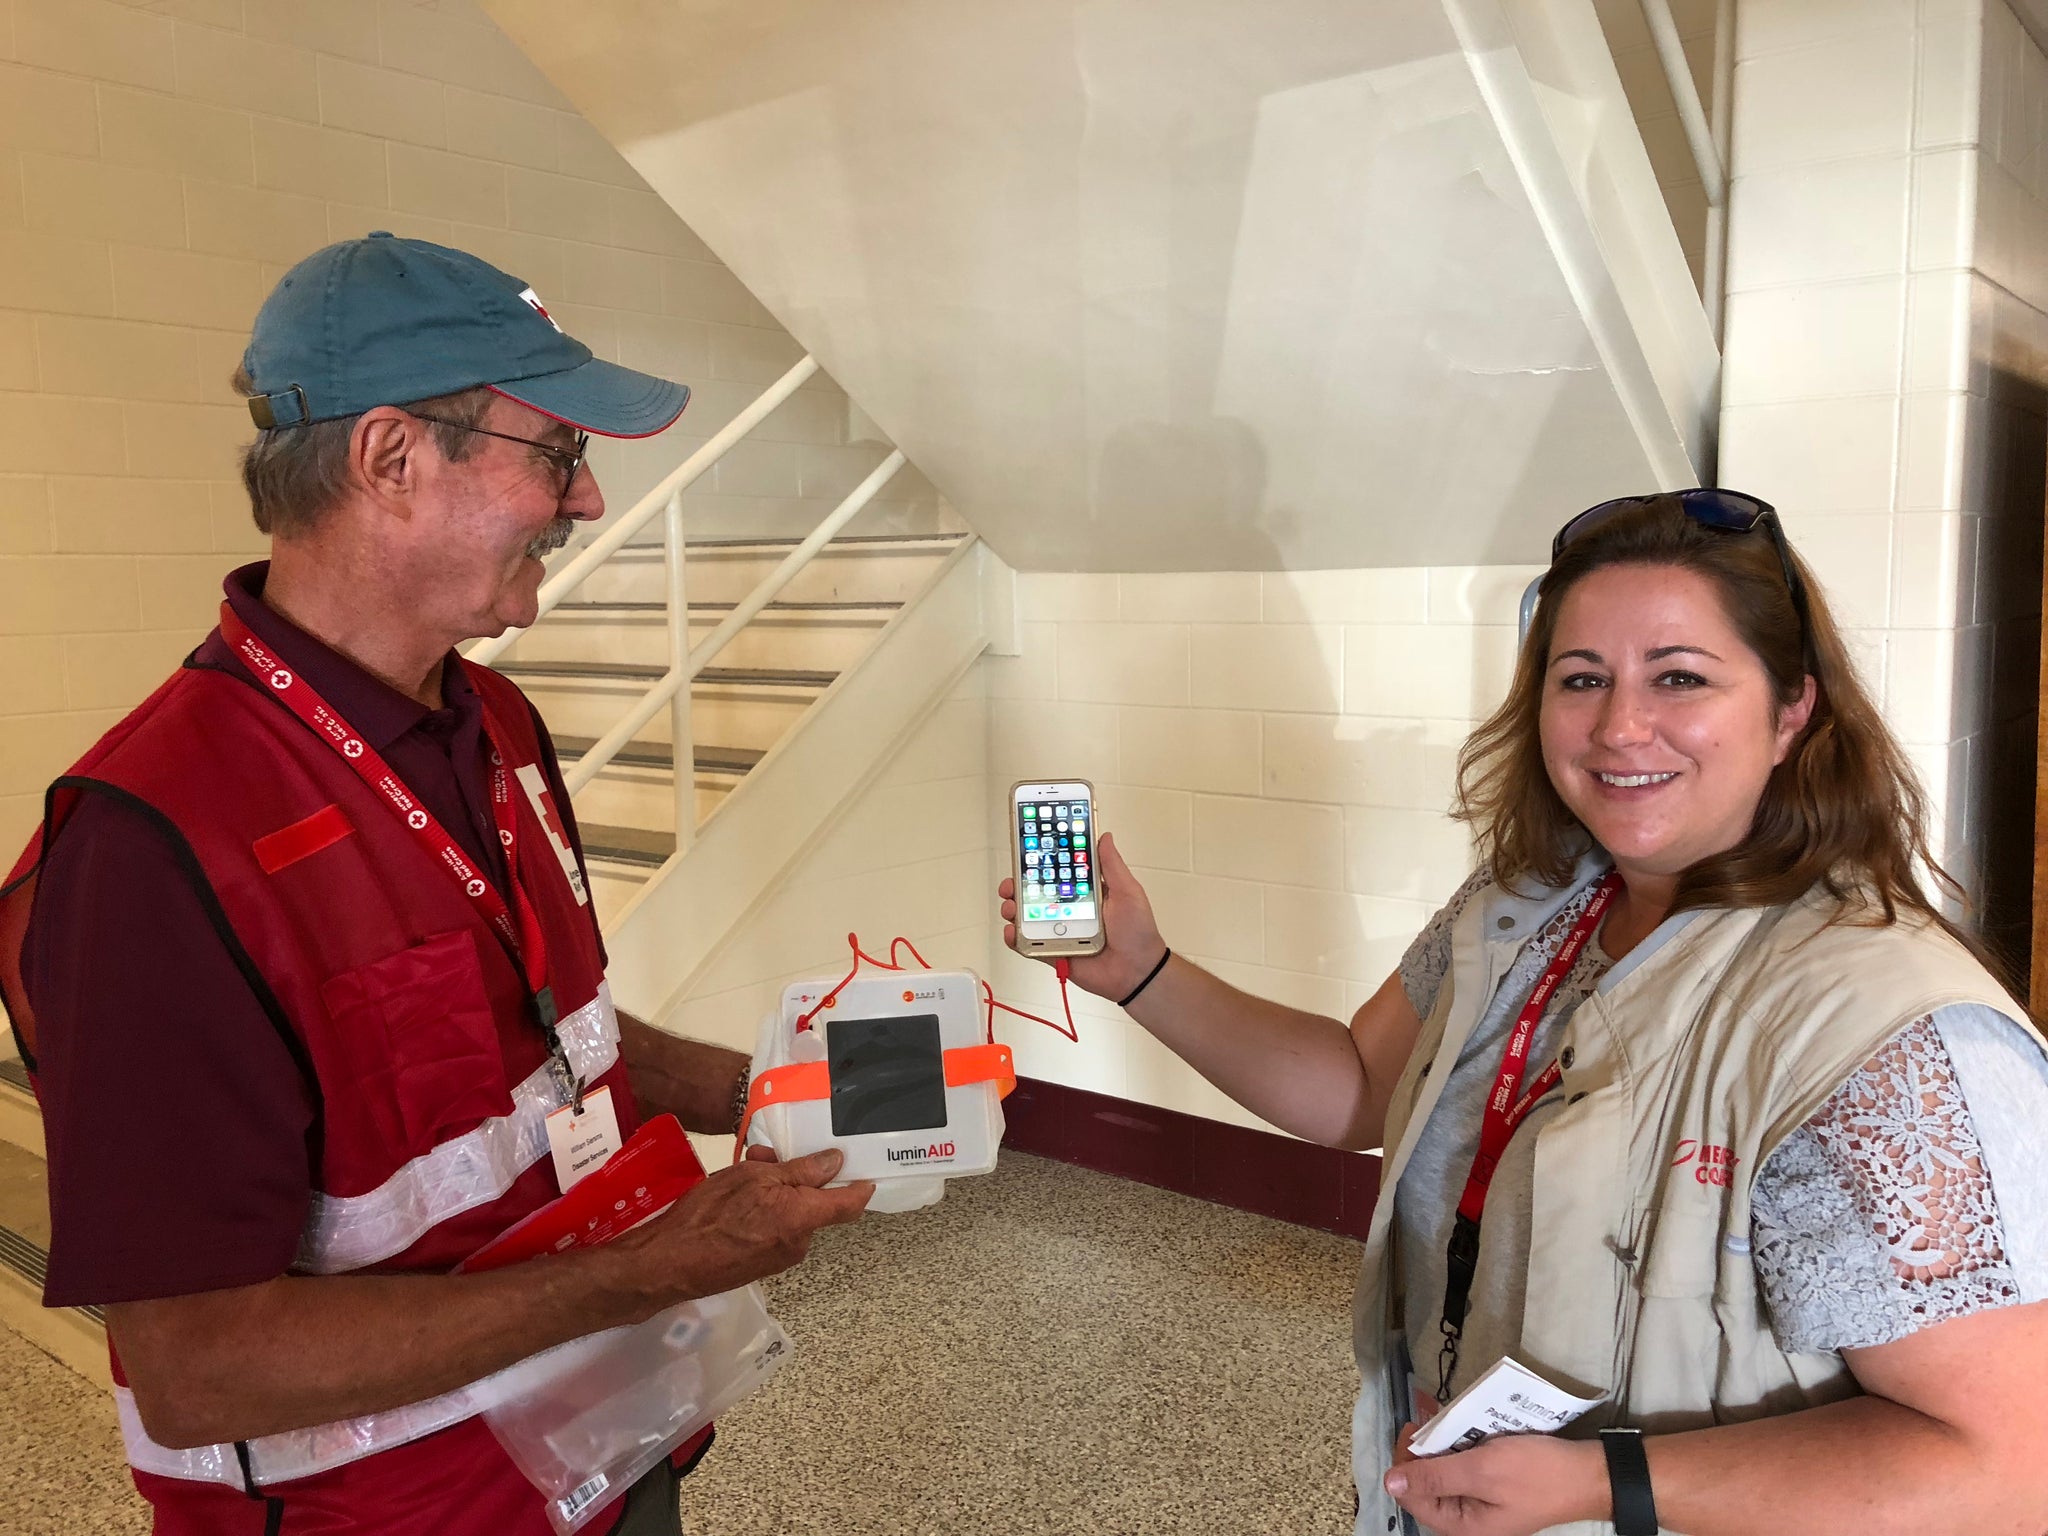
(592, 657)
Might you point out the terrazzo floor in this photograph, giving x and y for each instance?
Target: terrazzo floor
(1048, 1351)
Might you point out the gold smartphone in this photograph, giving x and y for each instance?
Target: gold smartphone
(1052, 857)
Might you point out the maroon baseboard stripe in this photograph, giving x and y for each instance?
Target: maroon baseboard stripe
(1230, 1164)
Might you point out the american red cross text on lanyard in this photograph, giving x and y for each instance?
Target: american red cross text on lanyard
(1504, 1112)
(522, 938)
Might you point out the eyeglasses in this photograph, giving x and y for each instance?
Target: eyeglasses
(1722, 511)
(567, 460)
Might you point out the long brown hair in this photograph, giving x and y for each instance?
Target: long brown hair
(1844, 810)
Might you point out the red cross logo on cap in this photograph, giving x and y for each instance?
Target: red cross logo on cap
(533, 302)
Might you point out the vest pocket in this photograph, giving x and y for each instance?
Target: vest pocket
(420, 1044)
(1683, 1255)
(1677, 1349)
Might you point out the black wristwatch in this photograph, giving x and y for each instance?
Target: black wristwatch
(1628, 1482)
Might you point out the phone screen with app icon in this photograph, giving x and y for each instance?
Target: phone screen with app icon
(1056, 856)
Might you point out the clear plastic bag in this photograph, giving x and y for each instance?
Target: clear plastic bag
(585, 1420)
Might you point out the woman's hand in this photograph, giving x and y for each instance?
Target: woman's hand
(1509, 1486)
(1131, 941)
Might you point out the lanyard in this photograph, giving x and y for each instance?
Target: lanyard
(1505, 1111)
(517, 925)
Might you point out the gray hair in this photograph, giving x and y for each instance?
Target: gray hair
(294, 475)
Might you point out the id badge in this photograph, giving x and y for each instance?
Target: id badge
(581, 1143)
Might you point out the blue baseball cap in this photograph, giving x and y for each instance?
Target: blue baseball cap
(385, 320)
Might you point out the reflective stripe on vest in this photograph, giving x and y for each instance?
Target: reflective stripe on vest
(297, 1452)
(348, 1232)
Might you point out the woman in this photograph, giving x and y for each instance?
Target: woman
(1692, 1099)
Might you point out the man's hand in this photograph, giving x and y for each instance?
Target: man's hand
(1509, 1486)
(746, 1222)
(1130, 933)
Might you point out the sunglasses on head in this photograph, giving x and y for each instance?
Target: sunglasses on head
(1722, 511)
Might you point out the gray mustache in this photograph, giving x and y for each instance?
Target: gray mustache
(551, 538)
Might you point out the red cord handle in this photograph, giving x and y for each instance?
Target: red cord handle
(862, 957)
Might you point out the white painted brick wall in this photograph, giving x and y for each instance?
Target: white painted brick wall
(1884, 362)
(1274, 754)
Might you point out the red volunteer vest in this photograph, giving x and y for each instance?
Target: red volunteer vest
(414, 1020)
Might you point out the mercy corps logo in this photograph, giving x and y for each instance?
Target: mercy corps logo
(937, 1152)
(1710, 1164)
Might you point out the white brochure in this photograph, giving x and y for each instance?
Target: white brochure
(1507, 1399)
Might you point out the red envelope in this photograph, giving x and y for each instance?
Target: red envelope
(639, 1181)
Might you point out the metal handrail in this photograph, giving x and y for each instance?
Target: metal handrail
(676, 679)
(648, 507)
(1715, 276)
(1685, 92)
(685, 660)
(682, 735)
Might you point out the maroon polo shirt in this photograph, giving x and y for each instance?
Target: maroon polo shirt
(182, 1133)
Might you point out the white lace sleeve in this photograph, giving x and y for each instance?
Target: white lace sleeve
(1428, 959)
(1877, 1217)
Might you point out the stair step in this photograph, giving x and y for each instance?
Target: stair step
(637, 632)
(922, 540)
(627, 845)
(659, 754)
(756, 718)
(777, 607)
(30, 1260)
(21, 1117)
(74, 1335)
(877, 570)
(731, 677)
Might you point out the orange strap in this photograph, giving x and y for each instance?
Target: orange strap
(793, 1084)
(982, 1064)
(805, 1081)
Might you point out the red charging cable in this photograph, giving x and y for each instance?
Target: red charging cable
(862, 957)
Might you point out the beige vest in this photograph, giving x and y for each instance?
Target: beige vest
(1680, 1080)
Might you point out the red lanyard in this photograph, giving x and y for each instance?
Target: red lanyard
(523, 939)
(1505, 1111)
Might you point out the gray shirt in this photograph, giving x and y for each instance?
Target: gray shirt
(1917, 1194)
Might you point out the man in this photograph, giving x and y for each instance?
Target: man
(304, 958)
